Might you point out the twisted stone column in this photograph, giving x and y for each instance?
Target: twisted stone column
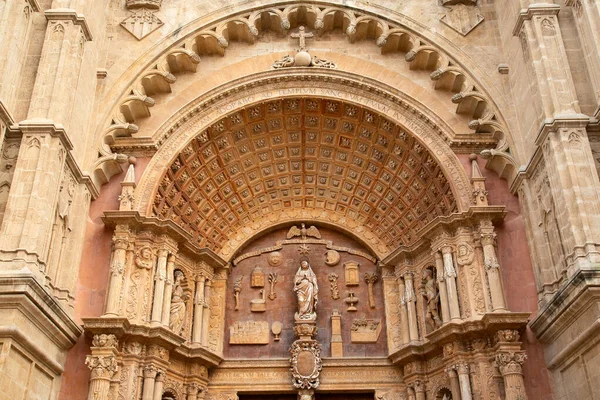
(117, 268)
(159, 286)
(411, 307)
(510, 364)
(198, 309)
(103, 368)
(166, 309)
(492, 267)
(450, 278)
(439, 269)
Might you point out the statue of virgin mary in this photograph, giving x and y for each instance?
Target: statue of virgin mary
(307, 290)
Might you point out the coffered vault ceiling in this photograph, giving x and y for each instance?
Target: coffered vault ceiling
(303, 153)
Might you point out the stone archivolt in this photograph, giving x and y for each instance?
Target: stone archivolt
(305, 153)
(446, 72)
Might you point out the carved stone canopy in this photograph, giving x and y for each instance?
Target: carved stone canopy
(303, 154)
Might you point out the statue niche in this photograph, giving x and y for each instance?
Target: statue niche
(178, 299)
(431, 299)
(307, 290)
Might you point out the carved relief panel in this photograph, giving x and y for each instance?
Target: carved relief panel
(327, 252)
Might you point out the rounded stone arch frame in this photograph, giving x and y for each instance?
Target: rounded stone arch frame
(196, 116)
(439, 43)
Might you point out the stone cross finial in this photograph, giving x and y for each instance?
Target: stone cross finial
(302, 35)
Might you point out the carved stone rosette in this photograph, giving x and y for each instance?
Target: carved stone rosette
(306, 364)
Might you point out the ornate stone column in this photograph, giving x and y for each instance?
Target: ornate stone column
(403, 311)
(166, 309)
(450, 278)
(420, 390)
(206, 312)
(198, 309)
(159, 383)
(117, 268)
(454, 383)
(465, 383)
(149, 372)
(510, 364)
(159, 286)
(439, 269)
(103, 368)
(192, 391)
(103, 364)
(411, 307)
(492, 267)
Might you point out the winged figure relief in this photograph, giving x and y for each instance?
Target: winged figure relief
(303, 232)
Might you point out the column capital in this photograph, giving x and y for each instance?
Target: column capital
(451, 371)
(150, 371)
(102, 367)
(462, 368)
(446, 248)
(510, 362)
(192, 388)
(527, 14)
(419, 386)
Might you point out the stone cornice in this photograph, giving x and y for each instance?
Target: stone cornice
(24, 292)
(45, 126)
(453, 331)
(549, 125)
(526, 14)
(157, 335)
(560, 121)
(5, 115)
(34, 5)
(62, 14)
(575, 296)
(134, 220)
(445, 223)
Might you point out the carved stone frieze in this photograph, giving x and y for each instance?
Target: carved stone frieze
(249, 332)
(365, 330)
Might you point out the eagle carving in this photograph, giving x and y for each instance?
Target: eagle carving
(303, 232)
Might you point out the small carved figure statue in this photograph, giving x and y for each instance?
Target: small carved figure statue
(432, 296)
(177, 318)
(307, 290)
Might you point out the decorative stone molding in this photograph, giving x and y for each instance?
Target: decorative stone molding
(246, 23)
(306, 364)
(61, 14)
(150, 4)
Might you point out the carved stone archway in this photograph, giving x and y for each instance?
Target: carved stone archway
(210, 121)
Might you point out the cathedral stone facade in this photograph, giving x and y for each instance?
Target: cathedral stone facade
(336, 199)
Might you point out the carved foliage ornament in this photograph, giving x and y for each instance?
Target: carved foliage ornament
(102, 366)
(306, 364)
(105, 340)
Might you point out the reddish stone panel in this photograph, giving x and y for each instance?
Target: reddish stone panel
(285, 305)
(92, 282)
(517, 276)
